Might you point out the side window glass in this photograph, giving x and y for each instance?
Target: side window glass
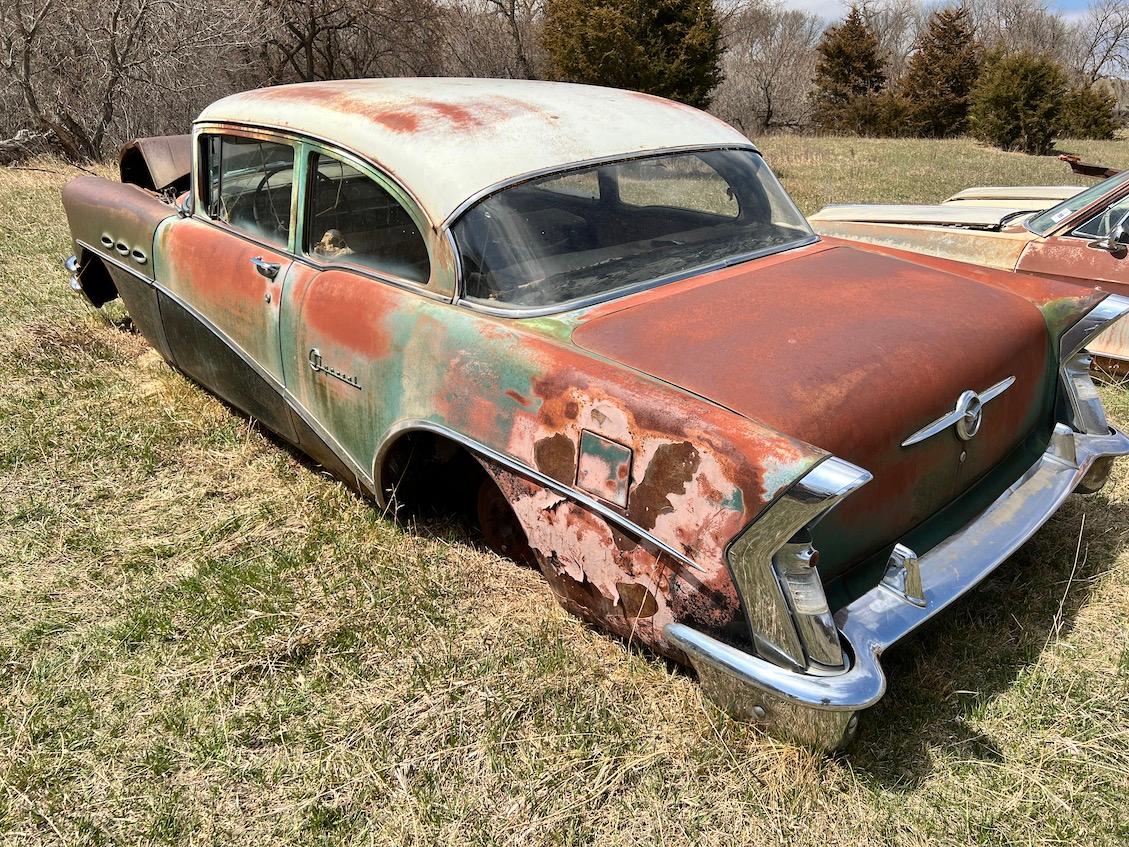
(249, 184)
(351, 218)
(1103, 223)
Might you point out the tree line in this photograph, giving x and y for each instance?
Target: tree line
(79, 77)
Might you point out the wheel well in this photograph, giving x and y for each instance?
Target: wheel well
(95, 279)
(425, 473)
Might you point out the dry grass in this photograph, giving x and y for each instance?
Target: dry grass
(204, 641)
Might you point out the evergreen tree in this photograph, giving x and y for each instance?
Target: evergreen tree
(941, 74)
(849, 75)
(670, 48)
(1017, 102)
(1089, 113)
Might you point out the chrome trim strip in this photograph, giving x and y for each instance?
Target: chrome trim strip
(740, 682)
(772, 625)
(276, 384)
(604, 511)
(945, 421)
(363, 475)
(115, 261)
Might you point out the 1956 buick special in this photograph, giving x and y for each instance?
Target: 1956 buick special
(597, 319)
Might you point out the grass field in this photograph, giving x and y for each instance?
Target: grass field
(204, 641)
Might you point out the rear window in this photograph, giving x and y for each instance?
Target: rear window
(578, 236)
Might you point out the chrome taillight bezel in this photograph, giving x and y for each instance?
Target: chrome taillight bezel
(774, 552)
(1082, 408)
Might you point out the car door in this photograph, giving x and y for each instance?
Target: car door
(1073, 254)
(352, 303)
(223, 269)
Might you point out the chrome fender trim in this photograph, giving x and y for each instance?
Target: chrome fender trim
(579, 497)
(818, 709)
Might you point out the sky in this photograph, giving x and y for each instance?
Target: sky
(834, 9)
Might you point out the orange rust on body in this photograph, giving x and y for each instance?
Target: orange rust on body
(599, 574)
(340, 296)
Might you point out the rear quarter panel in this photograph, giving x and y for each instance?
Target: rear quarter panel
(698, 473)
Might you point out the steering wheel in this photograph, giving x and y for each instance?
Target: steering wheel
(343, 203)
(267, 216)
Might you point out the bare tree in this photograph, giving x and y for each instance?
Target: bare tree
(497, 38)
(1102, 41)
(1022, 25)
(87, 72)
(768, 66)
(334, 39)
(896, 23)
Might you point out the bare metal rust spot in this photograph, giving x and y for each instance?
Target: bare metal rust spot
(669, 470)
(622, 540)
(636, 601)
(556, 457)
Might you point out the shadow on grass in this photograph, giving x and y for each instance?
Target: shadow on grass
(952, 669)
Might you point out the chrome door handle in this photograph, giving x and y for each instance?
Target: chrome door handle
(267, 269)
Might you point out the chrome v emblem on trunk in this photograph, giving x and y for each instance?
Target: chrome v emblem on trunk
(966, 416)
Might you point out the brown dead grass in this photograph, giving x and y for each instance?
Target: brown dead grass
(203, 640)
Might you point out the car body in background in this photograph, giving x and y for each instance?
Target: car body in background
(1082, 238)
(596, 320)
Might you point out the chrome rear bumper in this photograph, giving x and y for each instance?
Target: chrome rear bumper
(822, 710)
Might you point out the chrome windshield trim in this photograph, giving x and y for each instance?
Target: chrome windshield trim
(627, 290)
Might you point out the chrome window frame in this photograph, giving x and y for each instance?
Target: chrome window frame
(199, 177)
(308, 150)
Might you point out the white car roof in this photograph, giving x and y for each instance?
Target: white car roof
(448, 141)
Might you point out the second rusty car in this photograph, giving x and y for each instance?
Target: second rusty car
(1076, 234)
(596, 316)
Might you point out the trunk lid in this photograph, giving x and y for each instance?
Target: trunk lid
(852, 352)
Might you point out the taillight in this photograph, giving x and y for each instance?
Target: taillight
(774, 566)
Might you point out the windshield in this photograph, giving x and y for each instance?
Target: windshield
(1046, 221)
(584, 233)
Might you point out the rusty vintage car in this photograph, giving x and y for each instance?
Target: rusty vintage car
(1066, 232)
(595, 318)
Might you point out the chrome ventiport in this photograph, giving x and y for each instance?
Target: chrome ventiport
(903, 575)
